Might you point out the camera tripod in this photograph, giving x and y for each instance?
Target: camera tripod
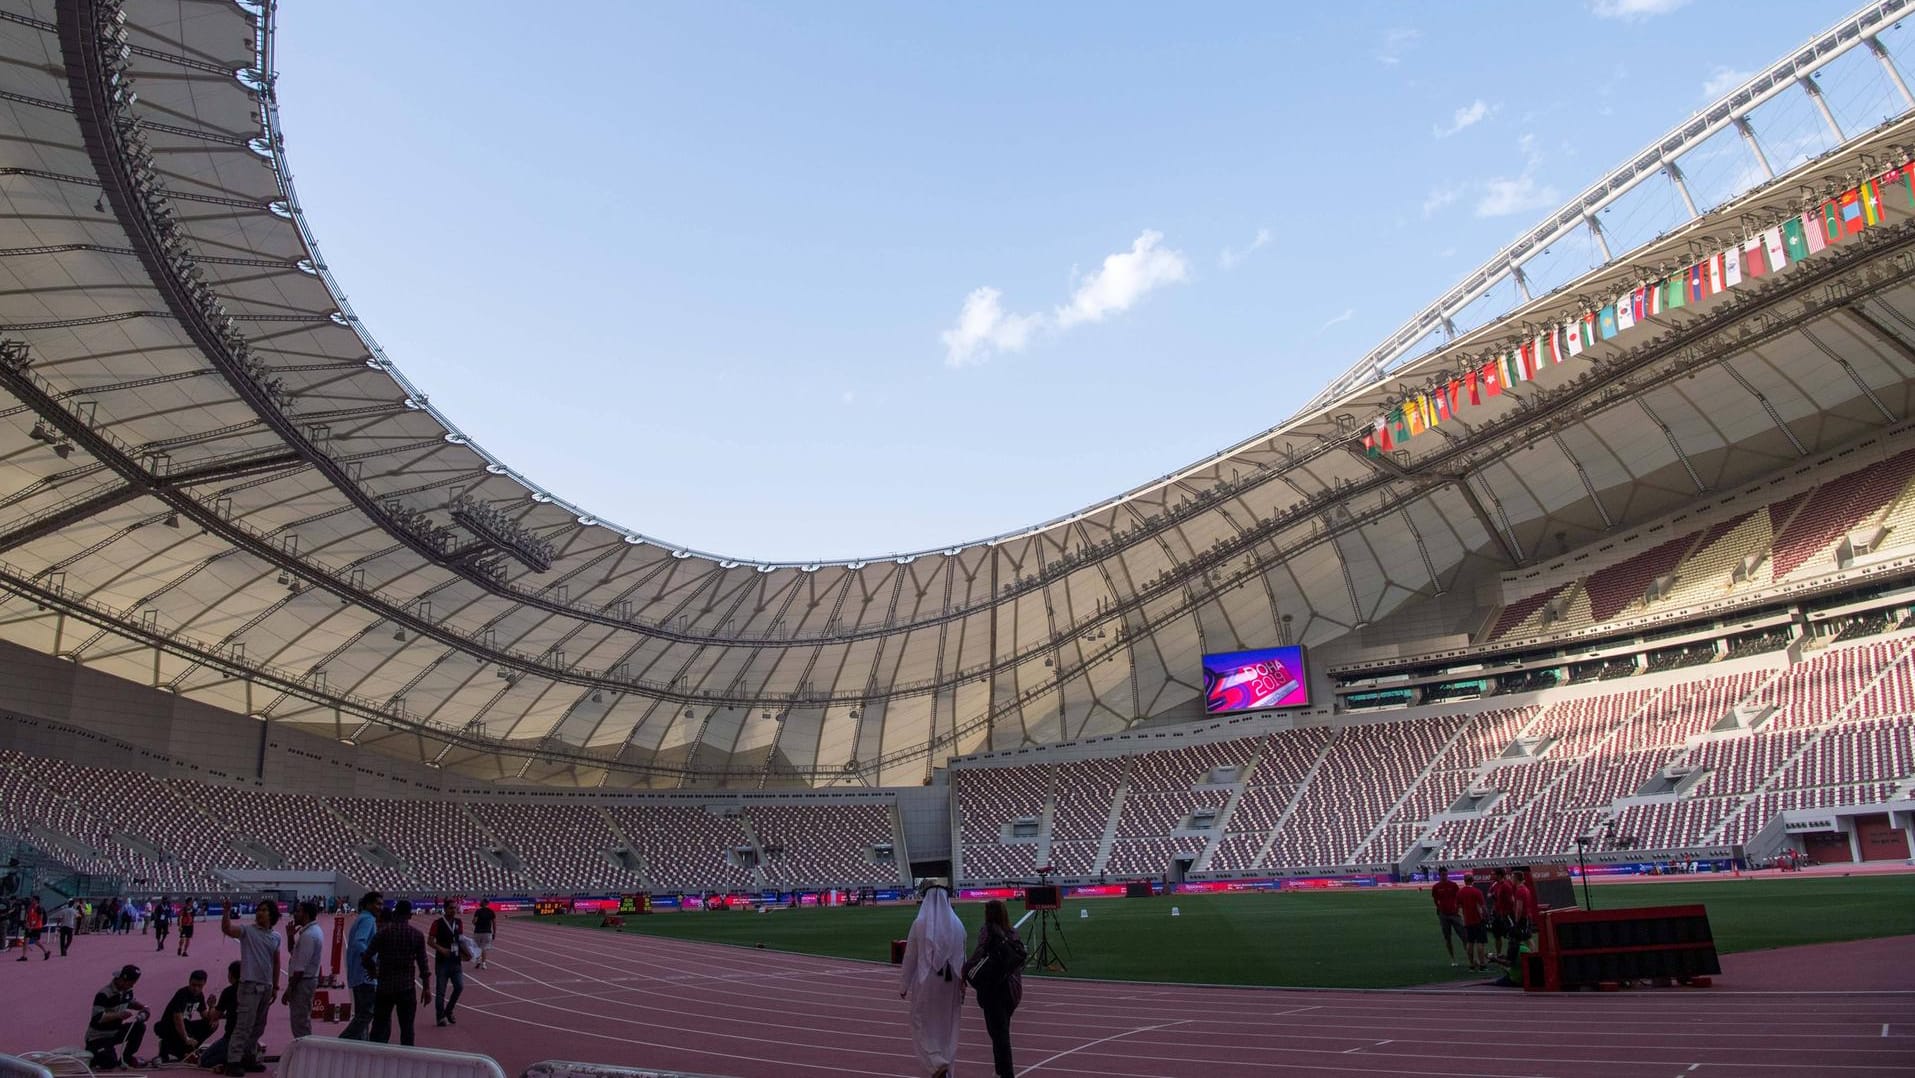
(1044, 956)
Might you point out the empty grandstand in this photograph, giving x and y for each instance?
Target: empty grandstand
(1623, 561)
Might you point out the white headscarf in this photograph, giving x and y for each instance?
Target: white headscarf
(937, 936)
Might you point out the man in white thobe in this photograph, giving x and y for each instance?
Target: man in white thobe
(934, 982)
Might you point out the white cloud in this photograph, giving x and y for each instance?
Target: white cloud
(1348, 314)
(1722, 81)
(1505, 195)
(1231, 259)
(983, 328)
(1468, 116)
(1396, 42)
(1438, 199)
(1633, 10)
(1124, 278)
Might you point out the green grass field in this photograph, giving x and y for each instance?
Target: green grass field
(1351, 939)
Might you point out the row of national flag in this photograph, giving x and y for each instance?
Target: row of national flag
(1769, 251)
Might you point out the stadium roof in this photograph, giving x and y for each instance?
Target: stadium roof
(214, 481)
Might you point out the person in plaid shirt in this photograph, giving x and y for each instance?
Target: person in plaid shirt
(396, 949)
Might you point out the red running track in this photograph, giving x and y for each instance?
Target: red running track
(568, 993)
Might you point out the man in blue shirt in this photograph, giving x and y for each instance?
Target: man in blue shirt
(364, 985)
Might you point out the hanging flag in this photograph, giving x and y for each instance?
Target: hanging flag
(1475, 388)
(1606, 322)
(1492, 378)
(1871, 203)
(1442, 405)
(1908, 177)
(1755, 258)
(1778, 258)
(1851, 206)
(1732, 267)
(1695, 285)
(1795, 240)
(1531, 361)
(1400, 427)
(1413, 411)
(1639, 304)
(1370, 448)
(1456, 395)
(1572, 338)
(1813, 236)
(1832, 222)
(1674, 294)
(1625, 313)
(1513, 370)
(1381, 433)
(1588, 329)
(1552, 339)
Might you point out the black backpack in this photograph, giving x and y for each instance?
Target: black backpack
(1003, 957)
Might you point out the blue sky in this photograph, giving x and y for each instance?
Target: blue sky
(793, 281)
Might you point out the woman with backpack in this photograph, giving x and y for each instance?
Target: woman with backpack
(996, 970)
(933, 956)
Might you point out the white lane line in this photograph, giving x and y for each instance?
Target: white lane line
(1101, 1040)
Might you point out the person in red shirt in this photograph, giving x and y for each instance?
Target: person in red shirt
(1522, 920)
(36, 922)
(1444, 895)
(1502, 905)
(1471, 907)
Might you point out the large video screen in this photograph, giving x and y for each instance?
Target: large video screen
(1254, 680)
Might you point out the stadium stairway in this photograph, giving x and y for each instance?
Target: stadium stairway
(1108, 839)
(1262, 859)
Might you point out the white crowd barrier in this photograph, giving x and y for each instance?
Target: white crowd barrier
(329, 1057)
(558, 1068)
(15, 1067)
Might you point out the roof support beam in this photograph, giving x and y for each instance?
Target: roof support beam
(1674, 446)
(41, 527)
(1855, 376)
(1874, 43)
(70, 515)
(1501, 533)
(1755, 147)
(1822, 106)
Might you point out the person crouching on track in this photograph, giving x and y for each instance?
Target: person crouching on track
(933, 955)
(996, 970)
(118, 1024)
(186, 1022)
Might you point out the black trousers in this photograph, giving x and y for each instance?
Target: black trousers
(159, 936)
(170, 1044)
(106, 1053)
(997, 1008)
(384, 1005)
(66, 940)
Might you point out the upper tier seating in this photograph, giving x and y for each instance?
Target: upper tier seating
(1791, 537)
(826, 845)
